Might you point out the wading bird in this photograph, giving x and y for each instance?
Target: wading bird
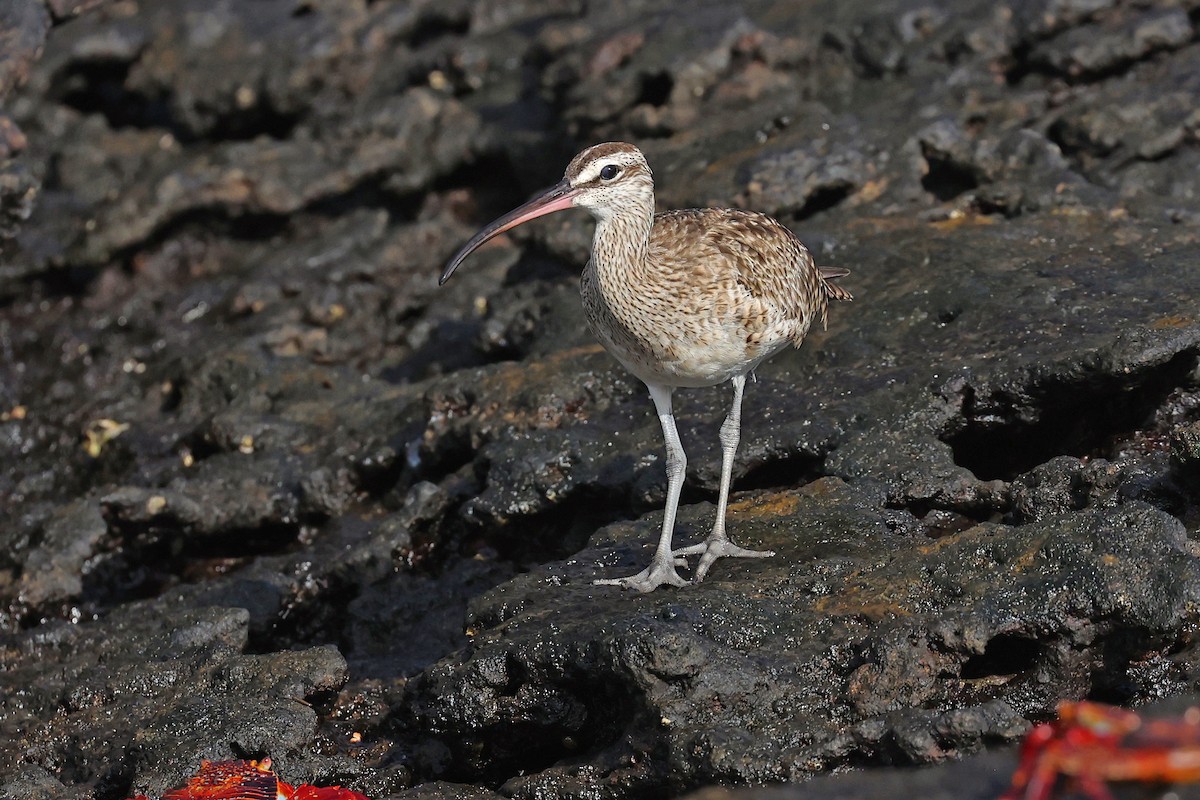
(684, 298)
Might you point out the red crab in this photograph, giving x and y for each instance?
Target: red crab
(1092, 743)
(249, 780)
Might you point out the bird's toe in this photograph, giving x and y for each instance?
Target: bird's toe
(702, 569)
(649, 579)
(714, 548)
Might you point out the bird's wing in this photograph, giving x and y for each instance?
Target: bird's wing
(749, 255)
(769, 261)
(753, 249)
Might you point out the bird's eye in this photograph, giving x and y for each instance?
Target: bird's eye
(608, 172)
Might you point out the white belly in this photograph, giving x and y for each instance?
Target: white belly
(682, 358)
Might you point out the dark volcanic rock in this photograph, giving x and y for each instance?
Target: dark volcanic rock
(152, 690)
(270, 491)
(25, 24)
(854, 644)
(1093, 49)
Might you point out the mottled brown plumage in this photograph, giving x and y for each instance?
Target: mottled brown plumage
(683, 298)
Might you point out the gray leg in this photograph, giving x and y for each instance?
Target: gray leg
(662, 568)
(718, 544)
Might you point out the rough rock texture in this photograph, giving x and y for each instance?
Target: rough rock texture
(268, 490)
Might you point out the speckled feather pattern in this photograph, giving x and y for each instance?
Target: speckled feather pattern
(701, 296)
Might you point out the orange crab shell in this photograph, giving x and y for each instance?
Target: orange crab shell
(1092, 743)
(250, 780)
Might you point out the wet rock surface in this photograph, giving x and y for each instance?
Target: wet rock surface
(268, 490)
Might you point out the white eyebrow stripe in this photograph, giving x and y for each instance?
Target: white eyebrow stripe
(588, 173)
(592, 171)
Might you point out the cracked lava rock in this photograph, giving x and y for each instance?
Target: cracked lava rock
(268, 492)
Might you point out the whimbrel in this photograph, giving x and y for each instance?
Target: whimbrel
(683, 298)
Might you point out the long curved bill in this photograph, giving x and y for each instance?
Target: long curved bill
(556, 198)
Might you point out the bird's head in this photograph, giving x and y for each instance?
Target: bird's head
(603, 179)
(608, 177)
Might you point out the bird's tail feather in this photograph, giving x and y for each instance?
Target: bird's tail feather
(831, 289)
(830, 274)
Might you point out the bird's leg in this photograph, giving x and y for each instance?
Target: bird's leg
(662, 568)
(717, 544)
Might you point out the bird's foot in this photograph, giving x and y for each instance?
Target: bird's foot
(649, 579)
(717, 547)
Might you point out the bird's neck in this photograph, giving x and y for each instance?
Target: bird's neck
(621, 242)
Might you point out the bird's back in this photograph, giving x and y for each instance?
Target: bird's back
(752, 260)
